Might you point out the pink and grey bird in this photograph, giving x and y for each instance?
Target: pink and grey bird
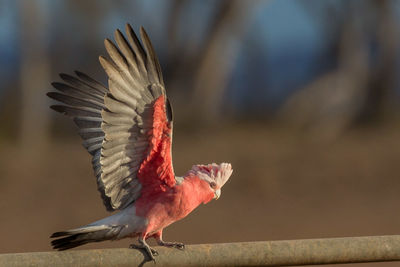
(127, 128)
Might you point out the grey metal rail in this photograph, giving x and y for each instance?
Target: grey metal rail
(265, 253)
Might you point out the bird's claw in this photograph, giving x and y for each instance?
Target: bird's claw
(177, 245)
(154, 252)
(151, 252)
(180, 246)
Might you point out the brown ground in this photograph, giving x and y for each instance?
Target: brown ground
(284, 186)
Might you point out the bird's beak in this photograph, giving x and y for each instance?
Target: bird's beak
(217, 194)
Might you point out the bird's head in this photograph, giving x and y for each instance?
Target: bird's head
(216, 175)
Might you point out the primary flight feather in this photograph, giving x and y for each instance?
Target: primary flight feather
(127, 128)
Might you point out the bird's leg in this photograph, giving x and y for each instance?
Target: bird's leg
(160, 242)
(143, 245)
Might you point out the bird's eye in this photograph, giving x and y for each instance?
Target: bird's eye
(213, 185)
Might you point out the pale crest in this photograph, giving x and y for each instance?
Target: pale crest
(218, 173)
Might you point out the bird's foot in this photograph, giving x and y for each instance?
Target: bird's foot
(151, 252)
(177, 245)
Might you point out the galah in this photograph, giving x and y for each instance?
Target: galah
(127, 128)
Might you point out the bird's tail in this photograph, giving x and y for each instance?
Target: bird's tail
(83, 235)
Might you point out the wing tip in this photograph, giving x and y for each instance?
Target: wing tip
(55, 85)
(80, 74)
(103, 61)
(143, 35)
(66, 77)
(63, 74)
(128, 27)
(118, 34)
(52, 94)
(59, 108)
(108, 42)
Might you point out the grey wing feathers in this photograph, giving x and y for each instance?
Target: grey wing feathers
(135, 82)
(84, 99)
(116, 123)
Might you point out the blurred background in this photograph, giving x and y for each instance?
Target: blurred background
(302, 97)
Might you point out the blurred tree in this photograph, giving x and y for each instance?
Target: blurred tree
(202, 74)
(79, 40)
(218, 58)
(382, 81)
(357, 89)
(331, 18)
(332, 101)
(34, 74)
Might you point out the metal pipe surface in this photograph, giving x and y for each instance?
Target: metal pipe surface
(264, 253)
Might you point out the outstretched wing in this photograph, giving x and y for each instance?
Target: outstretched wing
(128, 127)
